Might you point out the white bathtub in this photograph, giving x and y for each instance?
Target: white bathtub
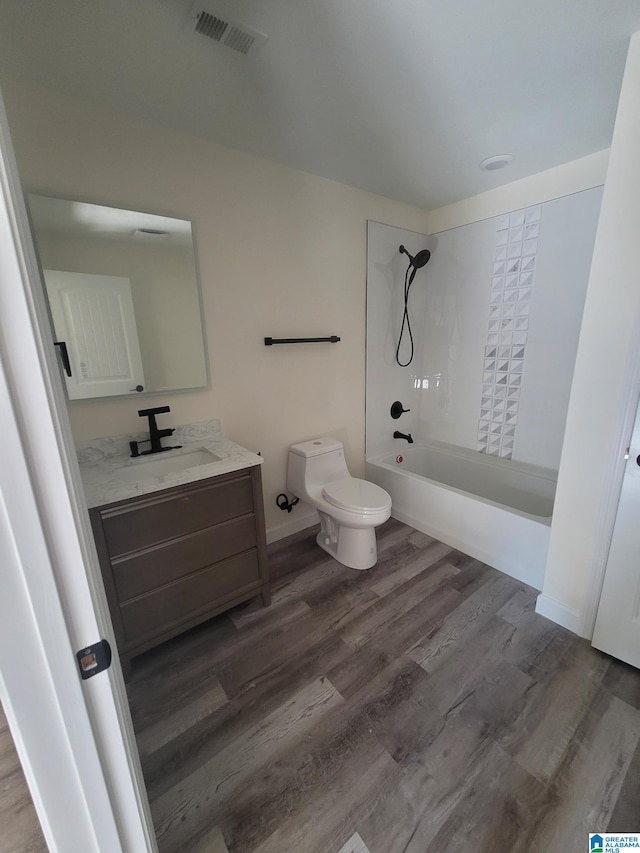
(492, 509)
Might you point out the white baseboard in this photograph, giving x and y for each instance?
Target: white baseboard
(559, 613)
(293, 524)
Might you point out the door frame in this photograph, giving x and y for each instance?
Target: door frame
(611, 495)
(74, 738)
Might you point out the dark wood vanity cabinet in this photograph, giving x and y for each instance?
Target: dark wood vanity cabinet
(173, 558)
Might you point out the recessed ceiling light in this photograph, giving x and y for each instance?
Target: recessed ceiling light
(490, 164)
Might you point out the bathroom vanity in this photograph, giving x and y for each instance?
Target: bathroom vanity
(180, 544)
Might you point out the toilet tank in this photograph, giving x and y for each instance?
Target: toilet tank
(312, 464)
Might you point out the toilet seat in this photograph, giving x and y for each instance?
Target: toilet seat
(357, 496)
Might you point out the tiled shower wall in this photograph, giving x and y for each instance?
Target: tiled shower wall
(512, 285)
(496, 317)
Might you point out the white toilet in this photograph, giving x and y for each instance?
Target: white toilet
(349, 508)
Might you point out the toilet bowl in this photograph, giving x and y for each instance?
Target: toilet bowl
(350, 509)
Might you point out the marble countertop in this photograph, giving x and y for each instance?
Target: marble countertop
(104, 460)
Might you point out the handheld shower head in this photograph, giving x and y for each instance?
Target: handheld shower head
(417, 261)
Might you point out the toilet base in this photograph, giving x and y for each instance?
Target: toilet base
(354, 547)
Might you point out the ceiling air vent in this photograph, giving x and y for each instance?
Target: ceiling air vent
(225, 31)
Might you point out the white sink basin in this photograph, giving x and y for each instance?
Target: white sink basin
(155, 466)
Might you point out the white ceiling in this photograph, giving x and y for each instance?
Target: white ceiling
(400, 97)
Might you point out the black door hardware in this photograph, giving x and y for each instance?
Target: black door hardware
(64, 355)
(94, 659)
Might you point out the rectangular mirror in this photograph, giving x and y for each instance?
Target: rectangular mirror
(123, 297)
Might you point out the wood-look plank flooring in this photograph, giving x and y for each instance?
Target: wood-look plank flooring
(19, 826)
(421, 705)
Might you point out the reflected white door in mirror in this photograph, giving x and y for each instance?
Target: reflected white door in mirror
(93, 315)
(124, 298)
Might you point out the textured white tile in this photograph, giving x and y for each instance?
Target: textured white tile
(514, 265)
(532, 231)
(502, 237)
(511, 281)
(501, 253)
(516, 234)
(530, 247)
(515, 250)
(517, 218)
(532, 214)
(502, 222)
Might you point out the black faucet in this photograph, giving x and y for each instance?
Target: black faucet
(402, 435)
(155, 434)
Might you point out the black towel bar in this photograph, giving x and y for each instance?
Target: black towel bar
(332, 339)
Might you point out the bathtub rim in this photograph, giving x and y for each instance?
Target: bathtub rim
(383, 460)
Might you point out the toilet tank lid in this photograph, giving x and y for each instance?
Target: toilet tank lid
(315, 447)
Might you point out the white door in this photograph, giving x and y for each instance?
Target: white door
(74, 738)
(93, 316)
(617, 630)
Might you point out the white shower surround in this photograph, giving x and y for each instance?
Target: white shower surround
(451, 395)
(492, 509)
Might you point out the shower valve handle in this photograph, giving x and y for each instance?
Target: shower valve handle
(397, 410)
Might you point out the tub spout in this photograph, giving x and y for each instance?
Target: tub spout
(407, 437)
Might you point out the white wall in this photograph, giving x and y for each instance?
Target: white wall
(562, 180)
(386, 382)
(603, 395)
(281, 253)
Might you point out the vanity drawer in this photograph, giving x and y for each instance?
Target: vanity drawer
(157, 518)
(160, 564)
(163, 608)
